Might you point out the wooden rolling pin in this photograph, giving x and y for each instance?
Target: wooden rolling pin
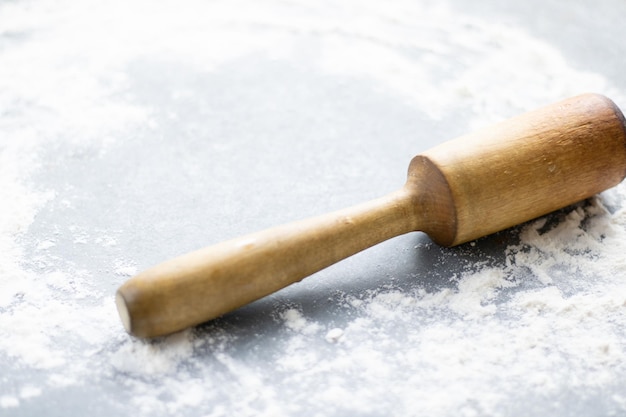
(461, 190)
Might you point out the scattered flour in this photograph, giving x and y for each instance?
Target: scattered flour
(334, 335)
(7, 401)
(548, 325)
(294, 320)
(125, 270)
(26, 393)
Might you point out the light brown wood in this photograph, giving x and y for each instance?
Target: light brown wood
(461, 190)
(529, 165)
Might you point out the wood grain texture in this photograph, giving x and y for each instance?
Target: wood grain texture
(531, 165)
(207, 283)
(461, 190)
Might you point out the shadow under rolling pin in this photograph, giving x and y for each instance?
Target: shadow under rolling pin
(458, 191)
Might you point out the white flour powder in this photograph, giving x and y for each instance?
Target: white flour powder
(547, 326)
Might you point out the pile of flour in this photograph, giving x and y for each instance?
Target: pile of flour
(547, 326)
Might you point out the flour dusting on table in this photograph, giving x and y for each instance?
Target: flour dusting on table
(544, 324)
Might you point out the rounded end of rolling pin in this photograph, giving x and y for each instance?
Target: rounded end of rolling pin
(122, 309)
(620, 116)
(618, 112)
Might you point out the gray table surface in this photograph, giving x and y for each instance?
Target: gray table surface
(131, 132)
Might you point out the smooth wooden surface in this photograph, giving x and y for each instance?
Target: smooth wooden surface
(528, 166)
(475, 185)
(207, 283)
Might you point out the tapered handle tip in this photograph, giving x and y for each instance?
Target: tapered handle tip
(122, 309)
